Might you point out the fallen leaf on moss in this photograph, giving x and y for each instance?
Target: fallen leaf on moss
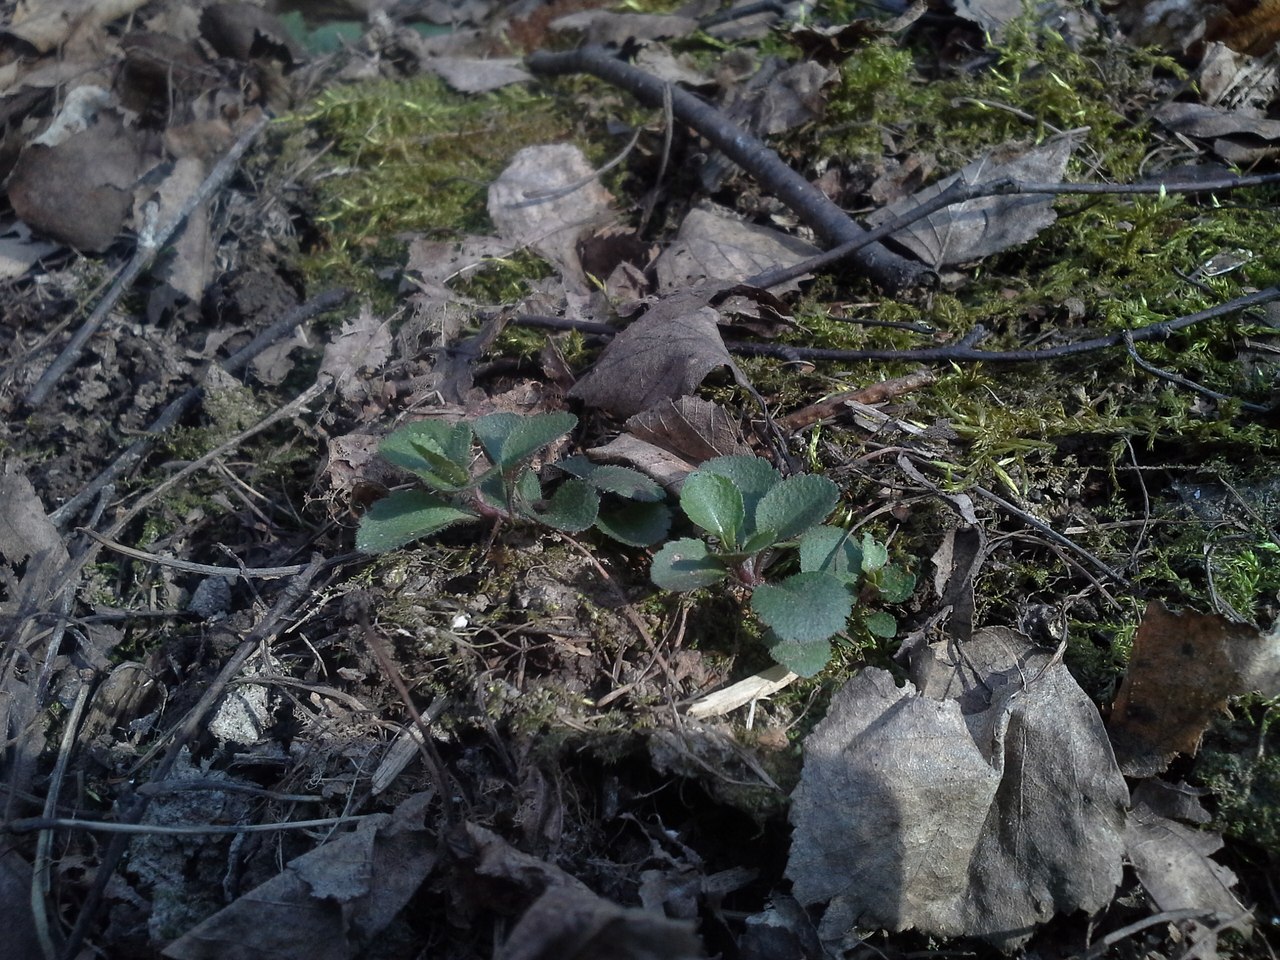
(1183, 669)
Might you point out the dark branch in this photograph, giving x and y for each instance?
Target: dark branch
(811, 205)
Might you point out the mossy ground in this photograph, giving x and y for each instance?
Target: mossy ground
(1096, 447)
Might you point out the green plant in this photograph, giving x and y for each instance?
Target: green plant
(440, 455)
(755, 520)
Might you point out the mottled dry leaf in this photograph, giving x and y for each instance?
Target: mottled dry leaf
(328, 904)
(713, 246)
(606, 27)
(1182, 671)
(661, 466)
(980, 807)
(1174, 865)
(1236, 135)
(76, 186)
(979, 228)
(696, 429)
(473, 75)
(664, 355)
(363, 343)
(570, 923)
(548, 198)
(46, 24)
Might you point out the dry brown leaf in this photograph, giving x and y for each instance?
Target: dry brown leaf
(548, 198)
(1183, 669)
(606, 27)
(328, 904)
(981, 807)
(981, 227)
(714, 246)
(363, 343)
(570, 923)
(664, 355)
(474, 75)
(1235, 135)
(46, 24)
(75, 184)
(691, 427)
(1174, 865)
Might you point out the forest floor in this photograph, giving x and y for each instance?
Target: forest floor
(451, 507)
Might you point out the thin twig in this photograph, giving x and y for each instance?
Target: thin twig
(811, 205)
(1038, 524)
(207, 569)
(962, 192)
(961, 351)
(148, 247)
(1181, 381)
(872, 393)
(132, 829)
(1115, 936)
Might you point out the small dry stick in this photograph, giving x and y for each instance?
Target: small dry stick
(149, 244)
(206, 569)
(873, 393)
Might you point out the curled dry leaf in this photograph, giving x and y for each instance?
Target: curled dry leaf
(981, 806)
(1173, 860)
(987, 225)
(328, 904)
(664, 355)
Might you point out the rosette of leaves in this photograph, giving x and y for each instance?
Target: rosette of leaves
(757, 521)
(441, 455)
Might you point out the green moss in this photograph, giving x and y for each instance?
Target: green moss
(411, 157)
(1245, 780)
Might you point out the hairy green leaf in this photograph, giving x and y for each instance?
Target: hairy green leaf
(803, 658)
(752, 476)
(403, 517)
(573, 507)
(635, 524)
(757, 542)
(438, 452)
(831, 550)
(804, 607)
(881, 624)
(874, 554)
(895, 584)
(713, 503)
(509, 438)
(685, 565)
(796, 504)
(496, 491)
(607, 478)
